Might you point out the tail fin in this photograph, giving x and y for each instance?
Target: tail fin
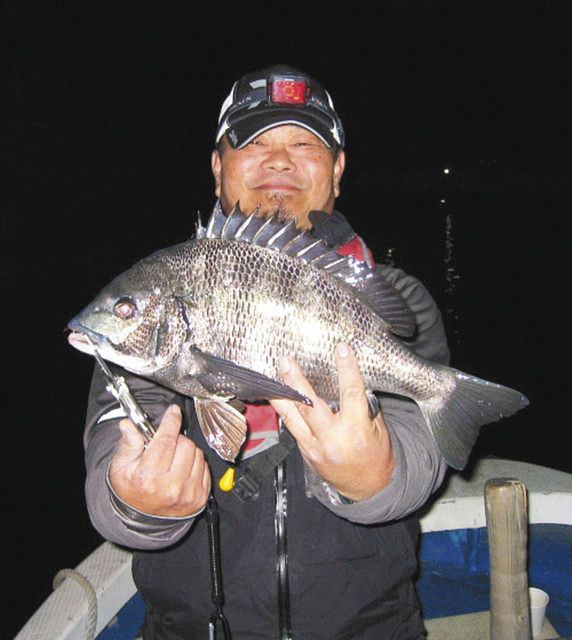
(474, 402)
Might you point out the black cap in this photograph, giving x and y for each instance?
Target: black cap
(275, 96)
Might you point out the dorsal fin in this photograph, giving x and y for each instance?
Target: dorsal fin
(377, 292)
(232, 224)
(216, 222)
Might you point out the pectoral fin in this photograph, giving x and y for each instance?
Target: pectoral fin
(224, 378)
(223, 427)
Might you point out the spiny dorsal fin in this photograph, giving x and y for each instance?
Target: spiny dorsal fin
(275, 235)
(200, 231)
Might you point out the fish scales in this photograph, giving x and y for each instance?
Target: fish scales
(209, 318)
(288, 311)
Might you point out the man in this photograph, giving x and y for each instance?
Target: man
(297, 559)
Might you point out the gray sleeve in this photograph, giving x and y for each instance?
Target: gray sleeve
(115, 520)
(420, 468)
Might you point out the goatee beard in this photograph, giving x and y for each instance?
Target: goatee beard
(276, 208)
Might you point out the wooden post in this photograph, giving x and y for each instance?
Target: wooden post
(507, 529)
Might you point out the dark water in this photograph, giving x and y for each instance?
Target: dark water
(106, 133)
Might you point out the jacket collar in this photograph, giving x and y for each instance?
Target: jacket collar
(332, 227)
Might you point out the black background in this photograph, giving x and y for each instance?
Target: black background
(108, 114)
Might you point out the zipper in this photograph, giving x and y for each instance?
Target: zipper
(218, 626)
(280, 526)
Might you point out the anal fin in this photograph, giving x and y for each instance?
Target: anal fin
(223, 427)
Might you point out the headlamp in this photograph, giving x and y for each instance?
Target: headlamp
(288, 90)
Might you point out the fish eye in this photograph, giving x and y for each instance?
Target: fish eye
(125, 308)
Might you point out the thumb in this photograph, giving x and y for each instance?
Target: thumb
(131, 445)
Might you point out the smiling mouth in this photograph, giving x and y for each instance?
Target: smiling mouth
(278, 186)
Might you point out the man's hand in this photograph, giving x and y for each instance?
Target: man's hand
(347, 449)
(168, 478)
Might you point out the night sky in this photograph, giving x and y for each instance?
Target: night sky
(108, 113)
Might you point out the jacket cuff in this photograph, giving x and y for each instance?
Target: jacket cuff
(145, 522)
(384, 506)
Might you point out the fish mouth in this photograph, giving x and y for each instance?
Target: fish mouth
(84, 339)
(88, 341)
(81, 342)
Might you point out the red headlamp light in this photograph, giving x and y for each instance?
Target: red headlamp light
(288, 91)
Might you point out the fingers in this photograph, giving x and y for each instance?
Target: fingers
(161, 450)
(171, 451)
(188, 460)
(191, 476)
(347, 449)
(290, 413)
(299, 418)
(130, 446)
(292, 375)
(170, 477)
(353, 398)
(206, 480)
(303, 420)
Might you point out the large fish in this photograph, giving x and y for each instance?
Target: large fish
(210, 317)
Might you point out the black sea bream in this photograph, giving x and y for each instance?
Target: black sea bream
(210, 317)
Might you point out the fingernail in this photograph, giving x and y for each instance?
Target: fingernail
(343, 350)
(175, 409)
(283, 365)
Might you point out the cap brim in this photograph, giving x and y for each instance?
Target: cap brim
(249, 125)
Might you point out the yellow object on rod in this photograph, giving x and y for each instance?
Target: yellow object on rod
(227, 481)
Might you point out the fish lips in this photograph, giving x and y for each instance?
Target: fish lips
(84, 339)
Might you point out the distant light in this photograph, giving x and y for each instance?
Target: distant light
(442, 201)
(446, 170)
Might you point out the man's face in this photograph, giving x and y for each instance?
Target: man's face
(286, 170)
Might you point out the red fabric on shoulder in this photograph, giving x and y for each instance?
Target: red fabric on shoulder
(357, 248)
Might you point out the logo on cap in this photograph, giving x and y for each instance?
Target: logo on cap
(232, 137)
